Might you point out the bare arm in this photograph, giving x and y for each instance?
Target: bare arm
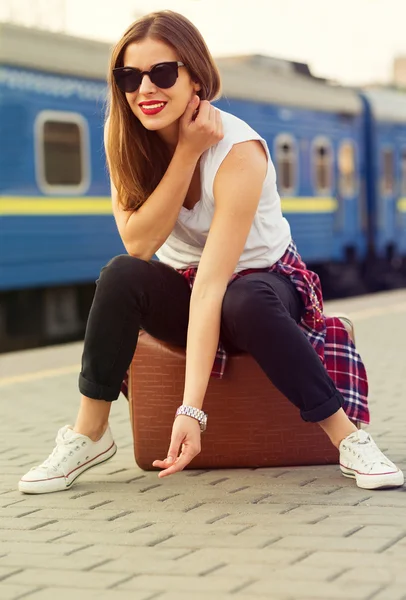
(237, 190)
(145, 230)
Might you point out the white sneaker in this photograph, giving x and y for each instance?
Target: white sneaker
(73, 455)
(361, 459)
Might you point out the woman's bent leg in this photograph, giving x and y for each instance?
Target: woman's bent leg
(93, 418)
(260, 316)
(130, 293)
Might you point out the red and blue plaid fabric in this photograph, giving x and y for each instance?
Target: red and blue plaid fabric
(327, 335)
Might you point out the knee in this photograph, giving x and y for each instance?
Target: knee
(244, 302)
(122, 272)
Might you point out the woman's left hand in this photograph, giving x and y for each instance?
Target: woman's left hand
(186, 433)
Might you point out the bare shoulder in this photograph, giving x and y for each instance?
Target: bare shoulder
(240, 177)
(250, 155)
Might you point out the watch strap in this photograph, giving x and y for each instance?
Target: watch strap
(195, 413)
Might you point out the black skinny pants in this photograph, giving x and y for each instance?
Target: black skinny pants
(260, 313)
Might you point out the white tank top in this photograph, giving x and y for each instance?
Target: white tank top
(270, 233)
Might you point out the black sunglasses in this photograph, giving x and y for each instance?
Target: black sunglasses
(163, 75)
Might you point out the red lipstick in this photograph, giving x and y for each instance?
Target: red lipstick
(152, 107)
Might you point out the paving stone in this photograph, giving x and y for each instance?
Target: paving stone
(241, 557)
(12, 592)
(62, 578)
(276, 572)
(343, 544)
(391, 592)
(314, 590)
(186, 584)
(203, 596)
(384, 575)
(62, 593)
(347, 560)
(299, 533)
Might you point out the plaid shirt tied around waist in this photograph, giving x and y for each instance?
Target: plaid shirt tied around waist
(327, 335)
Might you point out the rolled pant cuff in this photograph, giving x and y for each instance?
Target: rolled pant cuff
(97, 391)
(324, 411)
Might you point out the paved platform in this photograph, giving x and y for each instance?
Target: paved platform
(120, 533)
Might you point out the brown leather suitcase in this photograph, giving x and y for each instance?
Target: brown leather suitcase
(250, 423)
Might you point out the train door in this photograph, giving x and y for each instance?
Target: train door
(347, 221)
(401, 202)
(285, 157)
(387, 195)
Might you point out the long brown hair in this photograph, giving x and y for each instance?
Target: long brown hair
(138, 158)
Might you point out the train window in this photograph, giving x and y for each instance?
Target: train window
(347, 169)
(388, 172)
(323, 165)
(62, 149)
(62, 152)
(286, 163)
(403, 166)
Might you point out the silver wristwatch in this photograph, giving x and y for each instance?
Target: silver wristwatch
(195, 413)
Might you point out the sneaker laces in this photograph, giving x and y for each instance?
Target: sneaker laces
(368, 453)
(60, 453)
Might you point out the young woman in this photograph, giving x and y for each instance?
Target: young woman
(196, 186)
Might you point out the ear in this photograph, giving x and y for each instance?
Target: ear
(198, 89)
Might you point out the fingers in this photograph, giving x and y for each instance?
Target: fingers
(165, 463)
(186, 436)
(162, 464)
(173, 452)
(212, 114)
(204, 112)
(174, 447)
(181, 462)
(209, 119)
(190, 109)
(219, 124)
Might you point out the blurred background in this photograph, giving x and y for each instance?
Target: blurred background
(323, 83)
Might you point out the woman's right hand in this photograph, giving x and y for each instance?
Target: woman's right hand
(199, 134)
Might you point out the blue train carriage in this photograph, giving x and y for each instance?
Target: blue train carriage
(56, 226)
(315, 134)
(385, 127)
